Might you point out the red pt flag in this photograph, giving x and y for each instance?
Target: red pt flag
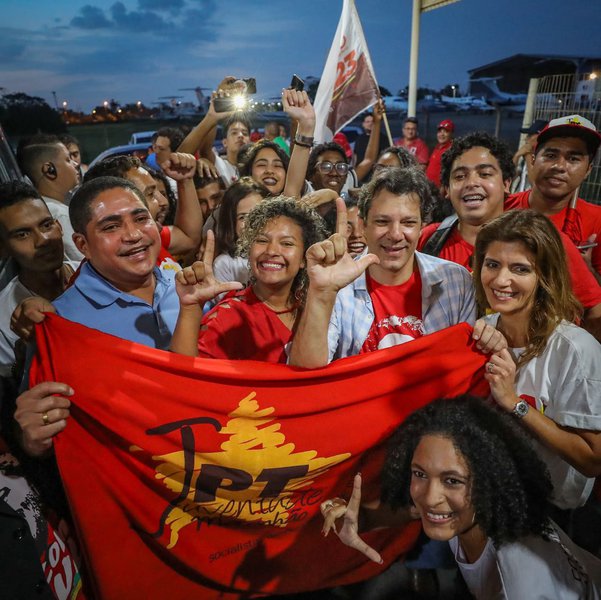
(194, 478)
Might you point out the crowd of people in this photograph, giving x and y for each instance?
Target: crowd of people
(303, 254)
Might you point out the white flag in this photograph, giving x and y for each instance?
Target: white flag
(348, 84)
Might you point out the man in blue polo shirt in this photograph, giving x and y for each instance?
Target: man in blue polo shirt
(118, 290)
(120, 241)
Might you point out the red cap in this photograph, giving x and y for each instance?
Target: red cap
(446, 124)
(342, 140)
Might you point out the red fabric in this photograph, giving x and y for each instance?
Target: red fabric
(287, 439)
(586, 222)
(397, 313)
(434, 165)
(241, 327)
(456, 249)
(165, 241)
(584, 284)
(418, 148)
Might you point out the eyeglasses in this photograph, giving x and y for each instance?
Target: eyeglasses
(326, 167)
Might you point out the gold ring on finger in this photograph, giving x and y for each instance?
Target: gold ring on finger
(45, 418)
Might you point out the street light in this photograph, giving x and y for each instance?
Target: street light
(454, 88)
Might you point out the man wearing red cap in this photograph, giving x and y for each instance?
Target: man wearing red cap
(444, 136)
(562, 160)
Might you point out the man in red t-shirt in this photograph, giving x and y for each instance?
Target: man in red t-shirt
(562, 160)
(444, 136)
(477, 171)
(414, 144)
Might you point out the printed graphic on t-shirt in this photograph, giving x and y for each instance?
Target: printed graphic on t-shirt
(397, 313)
(392, 331)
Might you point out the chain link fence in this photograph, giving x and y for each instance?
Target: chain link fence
(562, 95)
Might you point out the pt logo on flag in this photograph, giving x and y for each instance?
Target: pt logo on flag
(269, 484)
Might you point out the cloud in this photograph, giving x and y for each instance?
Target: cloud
(138, 21)
(90, 17)
(171, 6)
(183, 22)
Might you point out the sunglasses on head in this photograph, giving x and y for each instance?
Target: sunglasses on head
(326, 167)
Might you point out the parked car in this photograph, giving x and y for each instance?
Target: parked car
(139, 150)
(141, 137)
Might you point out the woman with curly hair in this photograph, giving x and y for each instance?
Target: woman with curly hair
(472, 476)
(550, 376)
(257, 322)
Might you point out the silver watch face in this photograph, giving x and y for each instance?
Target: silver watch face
(520, 409)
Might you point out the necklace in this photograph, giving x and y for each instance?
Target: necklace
(276, 310)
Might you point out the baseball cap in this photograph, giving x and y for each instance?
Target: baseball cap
(342, 140)
(572, 126)
(446, 124)
(536, 127)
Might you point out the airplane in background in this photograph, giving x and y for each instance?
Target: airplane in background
(488, 88)
(467, 103)
(171, 108)
(203, 99)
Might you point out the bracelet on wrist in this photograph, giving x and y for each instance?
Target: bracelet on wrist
(304, 140)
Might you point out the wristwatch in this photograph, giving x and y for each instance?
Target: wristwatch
(520, 410)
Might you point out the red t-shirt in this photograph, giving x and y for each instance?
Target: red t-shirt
(397, 313)
(164, 260)
(587, 222)
(241, 327)
(418, 148)
(584, 284)
(434, 166)
(456, 249)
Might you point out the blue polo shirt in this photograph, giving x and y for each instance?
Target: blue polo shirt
(92, 301)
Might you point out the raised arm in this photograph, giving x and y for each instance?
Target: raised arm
(195, 285)
(330, 268)
(187, 227)
(201, 138)
(373, 146)
(298, 107)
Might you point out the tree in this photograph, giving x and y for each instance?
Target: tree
(21, 114)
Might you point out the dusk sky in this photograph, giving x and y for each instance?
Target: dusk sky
(134, 50)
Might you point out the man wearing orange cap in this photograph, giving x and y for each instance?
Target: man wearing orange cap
(562, 160)
(444, 137)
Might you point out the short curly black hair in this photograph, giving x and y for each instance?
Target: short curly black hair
(500, 150)
(510, 484)
(318, 151)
